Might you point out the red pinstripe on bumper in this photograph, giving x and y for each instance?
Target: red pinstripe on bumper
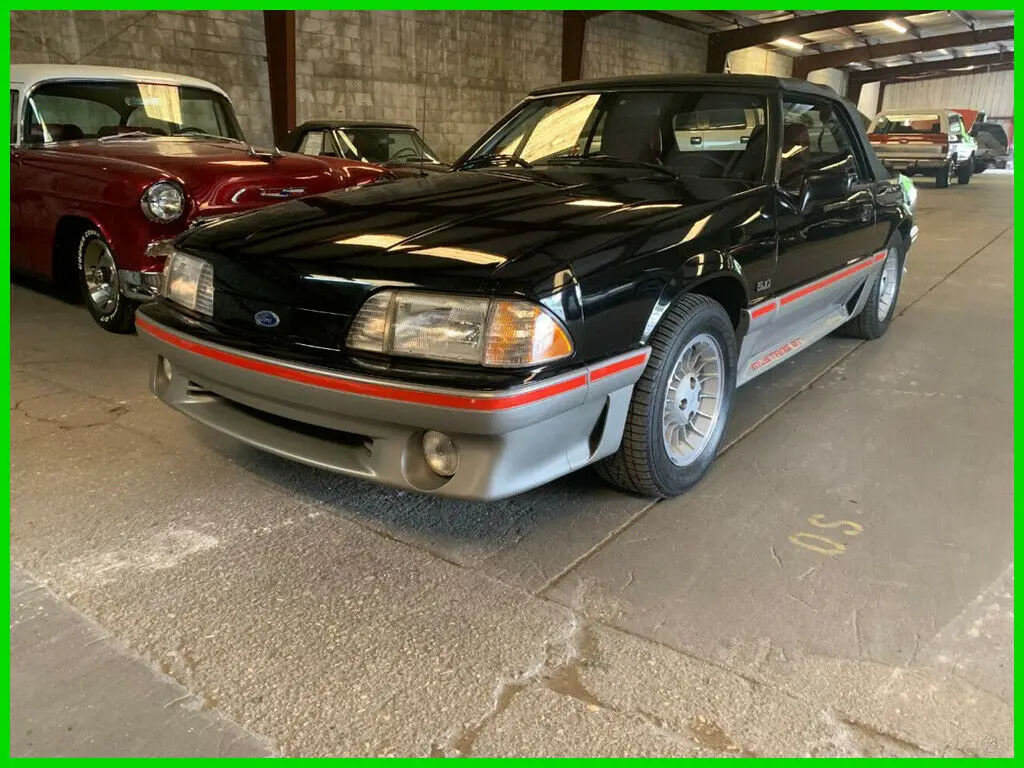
(341, 383)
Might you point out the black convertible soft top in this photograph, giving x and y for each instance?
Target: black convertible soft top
(726, 81)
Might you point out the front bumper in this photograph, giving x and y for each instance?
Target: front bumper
(509, 441)
(140, 285)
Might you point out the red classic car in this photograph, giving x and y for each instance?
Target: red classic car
(109, 165)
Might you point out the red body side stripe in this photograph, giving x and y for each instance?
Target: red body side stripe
(764, 309)
(809, 289)
(621, 365)
(464, 402)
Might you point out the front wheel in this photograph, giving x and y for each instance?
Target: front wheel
(964, 172)
(681, 403)
(101, 287)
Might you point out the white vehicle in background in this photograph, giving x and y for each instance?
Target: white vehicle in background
(930, 142)
(715, 129)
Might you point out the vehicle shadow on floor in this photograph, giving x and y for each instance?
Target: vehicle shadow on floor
(577, 502)
(575, 509)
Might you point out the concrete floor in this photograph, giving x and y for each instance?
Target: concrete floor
(325, 616)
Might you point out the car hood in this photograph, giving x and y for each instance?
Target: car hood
(218, 175)
(493, 229)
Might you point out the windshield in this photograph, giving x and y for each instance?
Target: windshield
(66, 111)
(384, 145)
(916, 122)
(690, 133)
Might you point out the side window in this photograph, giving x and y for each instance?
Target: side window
(956, 127)
(814, 138)
(14, 116)
(312, 143)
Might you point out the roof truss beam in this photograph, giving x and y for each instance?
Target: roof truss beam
(889, 74)
(807, 64)
(721, 43)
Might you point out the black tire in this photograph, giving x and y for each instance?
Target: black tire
(642, 464)
(868, 325)
(117, 314)
(980, 166)
(965, 172)
(942, 177)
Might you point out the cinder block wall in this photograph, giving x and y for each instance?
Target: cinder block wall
(624, 44)
(225, 47)
(453, 73)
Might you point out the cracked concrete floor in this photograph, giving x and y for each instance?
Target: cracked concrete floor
(840, 584)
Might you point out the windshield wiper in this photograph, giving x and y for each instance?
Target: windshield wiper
(249, 148)
(129, 135)
(214, 136)
(611, 160)
(496, 157)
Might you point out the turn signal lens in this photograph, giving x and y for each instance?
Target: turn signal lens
(499, 333)
(369, 328)
(521, 334)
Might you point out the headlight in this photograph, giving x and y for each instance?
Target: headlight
(188, 281)
(502, 333)
(163, 201)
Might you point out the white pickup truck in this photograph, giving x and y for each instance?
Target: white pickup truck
(930, 142)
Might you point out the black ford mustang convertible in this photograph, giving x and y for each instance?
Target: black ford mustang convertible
(589, 286)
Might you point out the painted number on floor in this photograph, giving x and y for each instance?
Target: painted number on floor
(826, 545)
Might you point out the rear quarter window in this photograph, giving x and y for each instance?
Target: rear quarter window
(908, 123)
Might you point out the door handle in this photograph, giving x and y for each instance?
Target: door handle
(696, 140)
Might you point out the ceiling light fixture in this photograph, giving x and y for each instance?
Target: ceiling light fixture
(793, 45)
(895, 26)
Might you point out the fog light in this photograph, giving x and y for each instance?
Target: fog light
(168, 370)
(441, 453)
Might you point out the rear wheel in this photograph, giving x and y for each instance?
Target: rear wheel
(873, 321)
(681, 403)
(964, 172)
(101, 287)
(942, 177)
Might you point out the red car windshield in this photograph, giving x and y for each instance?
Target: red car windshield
(86, 109)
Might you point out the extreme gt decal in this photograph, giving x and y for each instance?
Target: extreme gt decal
(775, 354)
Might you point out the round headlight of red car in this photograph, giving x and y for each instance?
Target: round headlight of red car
(163, 201)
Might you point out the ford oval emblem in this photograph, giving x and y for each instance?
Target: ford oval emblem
(267, 319)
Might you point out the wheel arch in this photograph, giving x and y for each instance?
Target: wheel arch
(64, 252)
(723, 284)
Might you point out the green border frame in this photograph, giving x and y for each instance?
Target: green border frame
(112, 5)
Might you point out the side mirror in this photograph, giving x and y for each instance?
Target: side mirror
(820, 188)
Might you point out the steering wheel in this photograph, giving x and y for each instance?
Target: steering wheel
(188, 129)
(404, 152)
